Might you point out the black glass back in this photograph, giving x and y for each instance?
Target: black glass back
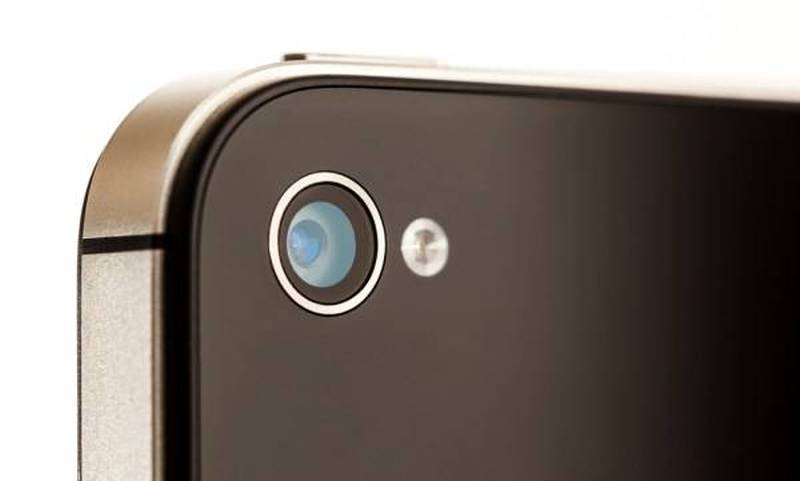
(620, 302)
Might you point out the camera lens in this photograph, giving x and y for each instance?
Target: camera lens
(306, 241)
(322, 244)
(326, 243)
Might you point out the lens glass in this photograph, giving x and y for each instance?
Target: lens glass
(321, 244)
(327, 243)
(306, 241)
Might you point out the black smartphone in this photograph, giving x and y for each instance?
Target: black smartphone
(337, 269)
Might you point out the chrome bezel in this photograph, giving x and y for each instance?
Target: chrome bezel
(274, 244)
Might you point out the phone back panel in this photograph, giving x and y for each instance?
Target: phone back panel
(620, 301)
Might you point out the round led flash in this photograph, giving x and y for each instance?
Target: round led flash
(425, 247)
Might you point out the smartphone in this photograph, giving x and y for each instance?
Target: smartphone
(335, 269)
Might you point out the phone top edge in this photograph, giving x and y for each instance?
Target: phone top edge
(129, 192)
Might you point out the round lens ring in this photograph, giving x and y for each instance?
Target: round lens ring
(327, 243)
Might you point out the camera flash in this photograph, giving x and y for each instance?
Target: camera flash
(425, 247)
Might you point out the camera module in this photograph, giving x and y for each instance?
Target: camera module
(327, 243)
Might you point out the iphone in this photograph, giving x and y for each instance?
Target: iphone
(341, 269)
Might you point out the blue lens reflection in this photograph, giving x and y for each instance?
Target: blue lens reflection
(306, 242)
(321, 244)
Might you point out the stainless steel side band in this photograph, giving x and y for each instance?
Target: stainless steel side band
(120, 425)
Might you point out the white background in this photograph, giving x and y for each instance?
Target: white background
(70, 71)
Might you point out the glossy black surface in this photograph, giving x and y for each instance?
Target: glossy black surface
(620, 302)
